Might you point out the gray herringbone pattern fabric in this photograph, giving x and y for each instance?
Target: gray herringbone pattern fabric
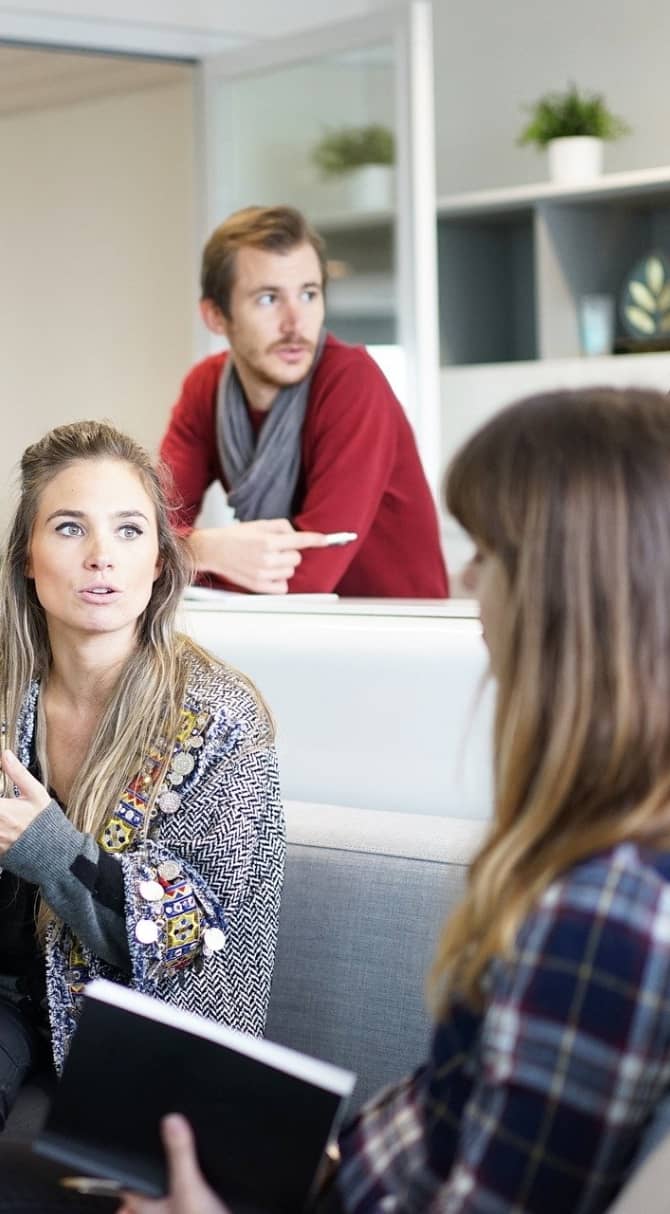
(228, 836)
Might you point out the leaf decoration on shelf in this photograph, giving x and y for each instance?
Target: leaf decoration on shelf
(640, 320)
(643, 296)
(655, 274)
(645, 299)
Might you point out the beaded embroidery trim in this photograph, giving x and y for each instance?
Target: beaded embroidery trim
(129, 815)
(170, 928)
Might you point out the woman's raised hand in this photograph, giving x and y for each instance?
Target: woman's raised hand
(16, 813)
(189, 1193)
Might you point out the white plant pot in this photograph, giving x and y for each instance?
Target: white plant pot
(575, 158)
(371, 187)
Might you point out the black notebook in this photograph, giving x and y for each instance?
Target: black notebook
(262, 1113)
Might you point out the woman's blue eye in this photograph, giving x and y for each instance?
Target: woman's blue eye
(268, 298)
(129, 531)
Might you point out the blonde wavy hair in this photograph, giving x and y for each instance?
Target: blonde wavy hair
(147, 699)
(571, 492)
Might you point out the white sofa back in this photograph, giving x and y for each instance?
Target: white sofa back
(378, 705)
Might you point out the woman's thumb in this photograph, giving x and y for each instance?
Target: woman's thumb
(27, 785)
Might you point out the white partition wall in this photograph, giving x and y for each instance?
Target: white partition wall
(379, 705)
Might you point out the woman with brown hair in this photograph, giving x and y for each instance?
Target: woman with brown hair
(551, 982)
(141, 831)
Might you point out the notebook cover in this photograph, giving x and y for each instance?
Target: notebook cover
(262, 1114)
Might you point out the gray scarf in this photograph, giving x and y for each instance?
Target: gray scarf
(262, 476)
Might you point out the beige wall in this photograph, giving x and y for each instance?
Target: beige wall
(96, 278)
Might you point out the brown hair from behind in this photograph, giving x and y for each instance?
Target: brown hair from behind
(571, 492)
(278, 229)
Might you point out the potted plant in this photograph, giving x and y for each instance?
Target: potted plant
(572, 126)
(365, 155)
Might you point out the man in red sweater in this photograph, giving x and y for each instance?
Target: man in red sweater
(303, 432)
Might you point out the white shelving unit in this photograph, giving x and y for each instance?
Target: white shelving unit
(514, 262)
(617, 185)
(512, 266)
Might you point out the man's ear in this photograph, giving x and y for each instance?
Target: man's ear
(213, 317)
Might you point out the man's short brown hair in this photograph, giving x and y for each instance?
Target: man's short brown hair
(278, 229)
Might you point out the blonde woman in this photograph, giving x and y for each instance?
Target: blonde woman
(141, 832)
(551, 983)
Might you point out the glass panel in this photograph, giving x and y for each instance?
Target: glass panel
(268, 126)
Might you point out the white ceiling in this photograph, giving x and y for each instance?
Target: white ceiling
(36, 74)
(171, 27)
(40, 79)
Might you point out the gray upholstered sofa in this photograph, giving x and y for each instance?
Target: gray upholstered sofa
(365, 893)
(364, 897)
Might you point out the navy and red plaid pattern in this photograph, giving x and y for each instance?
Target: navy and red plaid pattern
(537, 1104)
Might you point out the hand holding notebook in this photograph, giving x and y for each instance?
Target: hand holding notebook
(261, 1114)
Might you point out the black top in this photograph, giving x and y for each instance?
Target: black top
(21, 954)
(18, 944)
(20, 951)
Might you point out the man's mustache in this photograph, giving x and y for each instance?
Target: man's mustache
(301, 342)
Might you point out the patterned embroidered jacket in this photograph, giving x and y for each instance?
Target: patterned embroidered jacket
(191, 913)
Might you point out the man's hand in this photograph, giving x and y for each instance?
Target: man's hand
(16, 813)
(260, 556)
(188, 1191)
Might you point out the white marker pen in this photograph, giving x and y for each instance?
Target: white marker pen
(335, 538)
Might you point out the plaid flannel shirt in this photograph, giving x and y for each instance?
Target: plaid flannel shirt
(537, 1104)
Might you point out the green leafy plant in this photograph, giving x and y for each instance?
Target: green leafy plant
(557, 115)
(348, 147)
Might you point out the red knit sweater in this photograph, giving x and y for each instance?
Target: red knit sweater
(360, 472)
